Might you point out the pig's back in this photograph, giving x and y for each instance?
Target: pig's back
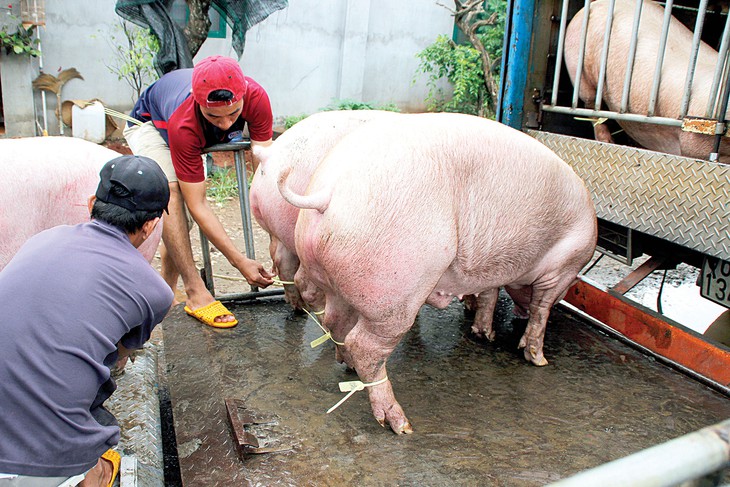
(476, 178)
(44, 182)
(301, 147)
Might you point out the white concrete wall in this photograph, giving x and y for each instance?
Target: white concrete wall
(307, 56)
(316, 52)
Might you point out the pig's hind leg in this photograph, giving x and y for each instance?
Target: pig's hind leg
(286, 264)
(369, 354)
(545, 293)
(486, 301)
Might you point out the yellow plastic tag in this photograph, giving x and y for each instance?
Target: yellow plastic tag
(319, 341)
(353, 385)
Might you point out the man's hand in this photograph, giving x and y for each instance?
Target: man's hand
(255, 273)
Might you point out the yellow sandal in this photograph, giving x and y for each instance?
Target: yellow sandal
(116, 461)
(207, 314)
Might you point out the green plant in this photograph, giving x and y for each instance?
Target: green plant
(341, 105)
(293, 119)
(472, 70)
(134, 53)
(461, 66)
(21, 41)
(223, 184)
(358, 105)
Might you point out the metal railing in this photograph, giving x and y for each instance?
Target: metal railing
(238, 149)
(716, 107)
(703, 454)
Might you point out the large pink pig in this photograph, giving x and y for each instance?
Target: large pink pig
(426, 207)
(661, 138)
(301, 147)
(46, 181)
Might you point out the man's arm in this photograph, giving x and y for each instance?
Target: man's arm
(194, 195)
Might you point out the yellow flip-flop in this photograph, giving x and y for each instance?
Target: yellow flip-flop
(116, 460)
(207, 314)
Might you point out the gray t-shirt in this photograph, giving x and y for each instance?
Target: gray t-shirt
(69, 295)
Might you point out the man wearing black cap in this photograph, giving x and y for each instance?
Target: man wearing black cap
(82, 296)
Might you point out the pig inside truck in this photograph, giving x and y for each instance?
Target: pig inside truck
(635, 100)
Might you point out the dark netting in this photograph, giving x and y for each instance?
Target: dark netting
(174, 52)
(241, 15)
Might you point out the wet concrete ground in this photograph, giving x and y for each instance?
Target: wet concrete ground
(481, 414)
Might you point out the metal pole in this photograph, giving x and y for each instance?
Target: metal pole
(660, 57)
(604, 55)
(559, 55)
(581, 53)
(693, 57)
(207, 265)
(629, 117)
(719, 69)
(720, 114)
(245, 206)
(499, 116)
(518, 50)
(685, 458)
(632, 58)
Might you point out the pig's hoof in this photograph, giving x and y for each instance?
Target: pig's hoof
(483, 333)
(404, 429)
(535, 356)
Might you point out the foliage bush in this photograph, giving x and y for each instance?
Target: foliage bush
(134, 53)
(461, 66)
(292, 119)
(19, 41)
(222, 184)
(359, 105)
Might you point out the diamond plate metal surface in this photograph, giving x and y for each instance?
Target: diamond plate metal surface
(136, 406)
(682, 200)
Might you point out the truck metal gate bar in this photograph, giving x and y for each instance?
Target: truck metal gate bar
(719, 83)
(693, 58)
(660, 58)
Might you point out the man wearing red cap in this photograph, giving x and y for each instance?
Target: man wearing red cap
(175, 128)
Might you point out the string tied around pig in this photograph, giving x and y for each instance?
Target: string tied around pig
(327, 335)
(351, 387)
(594, 120)
(278, 282)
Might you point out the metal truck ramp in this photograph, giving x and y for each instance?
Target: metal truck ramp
(481, 414)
